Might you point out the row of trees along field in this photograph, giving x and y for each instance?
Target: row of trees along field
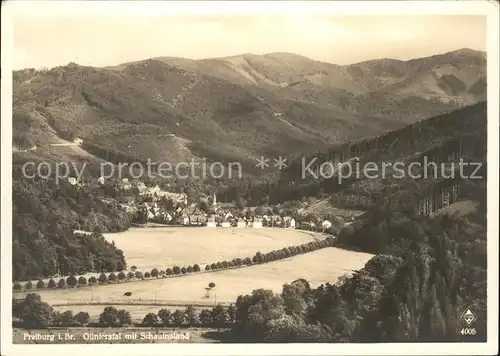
(32, 312)
(45, 214)
(122, 276)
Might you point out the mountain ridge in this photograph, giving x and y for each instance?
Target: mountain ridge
(237, 107)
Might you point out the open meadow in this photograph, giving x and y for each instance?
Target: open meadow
(163, 247)
(321, 266)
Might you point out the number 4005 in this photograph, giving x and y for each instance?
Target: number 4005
(468, 331)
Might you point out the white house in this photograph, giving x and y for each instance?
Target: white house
(166, 216)
(226, 223)
(257, 223)
(241, 223)
(326, 225)
(211, 222)
(81, 232)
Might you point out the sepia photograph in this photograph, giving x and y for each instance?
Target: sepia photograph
(249, 178)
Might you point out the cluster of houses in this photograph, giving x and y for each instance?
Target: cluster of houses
(225, 215)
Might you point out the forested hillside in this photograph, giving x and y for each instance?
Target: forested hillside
(427, 272)
(45, 214)
(443, 139)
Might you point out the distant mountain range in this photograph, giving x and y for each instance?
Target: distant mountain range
(233, 108)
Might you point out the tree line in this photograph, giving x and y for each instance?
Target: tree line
(33, 313)
(122, 276)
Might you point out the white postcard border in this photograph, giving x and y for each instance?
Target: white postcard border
(138, 8)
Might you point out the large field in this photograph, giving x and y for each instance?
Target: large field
(325, 265)
(148, 248)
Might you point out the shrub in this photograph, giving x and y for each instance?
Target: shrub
(121, 276)
(190, 269)
(211, 285)
(230, 264)
(190, 315)
(247, 261)
(219, 315)
(82, 318)
(177, 270)
(103, 278)
(154, 273)
(109, 316)
(219, 265)
(183, 270)
(138, 275)
(164, 315)
(205, 317)
(147, 275)
(61, 284)
(17, 286)
(213, 266)
(196, 268)
(72, 281)
(127, 294)
(178, 317)
(150, 319)
(161, 273)
(28, 285)
(82, 280)
(207, 268)
(133, 268)
(51, 284)
(130, 275)
(40, 284)
(66, 318)
(224, 264)
(124, 317)
(112, 277)
(92, 280)
(169, 271)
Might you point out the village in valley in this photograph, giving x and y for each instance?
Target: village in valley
(153, 206)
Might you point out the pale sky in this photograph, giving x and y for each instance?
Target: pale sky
(106, 40)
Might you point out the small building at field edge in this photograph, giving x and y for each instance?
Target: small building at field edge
(211, 222)
(256, 223)
(241, 223)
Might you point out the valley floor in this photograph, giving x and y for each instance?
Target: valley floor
(318, 267)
